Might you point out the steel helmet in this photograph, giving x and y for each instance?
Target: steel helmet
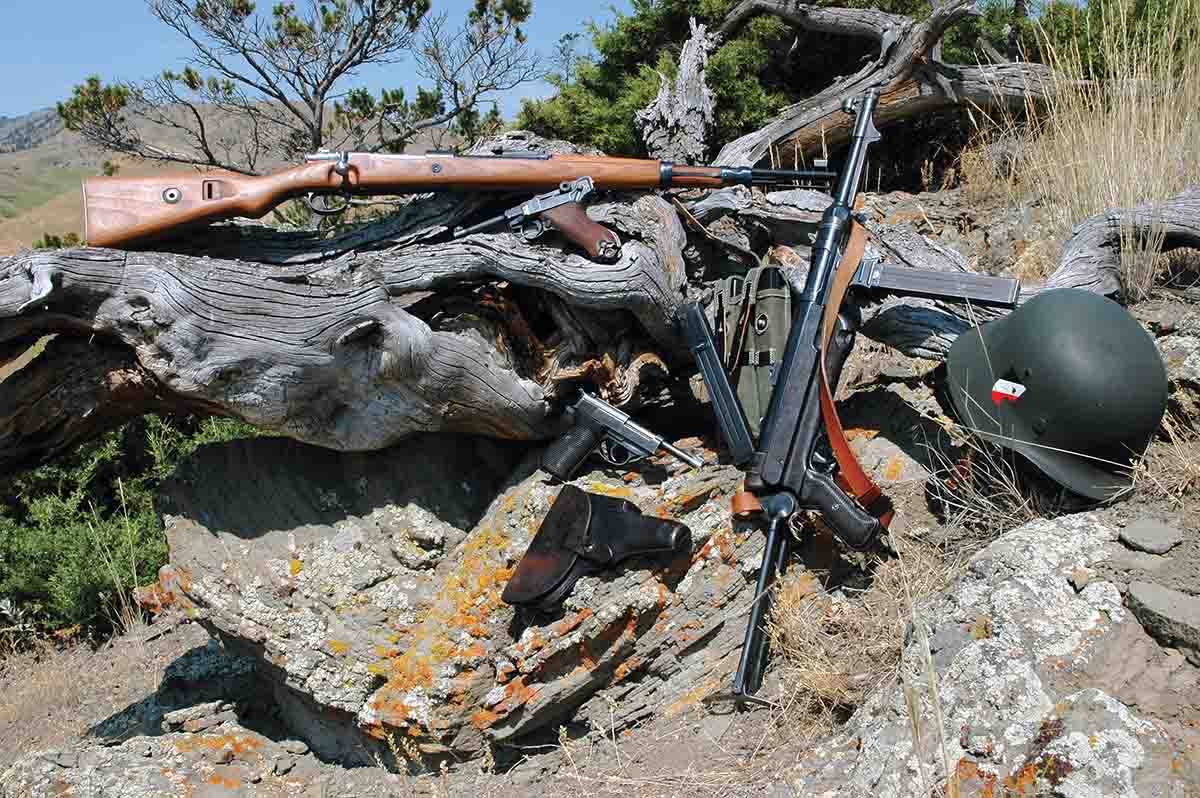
(1070, 381)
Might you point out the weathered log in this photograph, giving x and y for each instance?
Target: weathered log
(324, 352)
(1091, 258)
(910, 83)
(676, 125)
(356, 341)
(75, 390)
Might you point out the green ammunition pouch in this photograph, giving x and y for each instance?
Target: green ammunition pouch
(585, 533)
(755, 318)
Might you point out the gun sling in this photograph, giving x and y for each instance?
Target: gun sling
(851, 476)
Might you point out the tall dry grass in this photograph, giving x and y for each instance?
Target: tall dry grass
(1121, 125)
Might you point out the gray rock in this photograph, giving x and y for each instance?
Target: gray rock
(367, 589)
(1138, 561)
(297, 747)
(1173, 618)
(1004, 712)
(1151, 535)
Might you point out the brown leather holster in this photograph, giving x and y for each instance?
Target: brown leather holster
(584, 534)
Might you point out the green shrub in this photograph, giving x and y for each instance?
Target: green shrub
(77, 535)
(51, 241)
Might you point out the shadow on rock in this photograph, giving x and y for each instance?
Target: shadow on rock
(202, 688)
(282, 484)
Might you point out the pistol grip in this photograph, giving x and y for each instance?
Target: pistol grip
(600, 243)
(564, 456)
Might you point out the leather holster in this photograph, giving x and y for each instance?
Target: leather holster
(585, 534)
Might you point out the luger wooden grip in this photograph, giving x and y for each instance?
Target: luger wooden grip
(601, 244)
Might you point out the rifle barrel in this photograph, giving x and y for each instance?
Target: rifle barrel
(122, 210)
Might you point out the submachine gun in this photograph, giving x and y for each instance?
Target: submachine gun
(802, 460)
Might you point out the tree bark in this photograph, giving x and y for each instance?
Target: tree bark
(676, 125)
(1091, 258)
(357, 341)
(909, 81)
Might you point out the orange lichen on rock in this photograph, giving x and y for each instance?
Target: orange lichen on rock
(630, 631)
(504, 672)
(722, 542)
(466, 602)
(392, 711)
(625, 668)
(693, 697)
(339, 647)
(484, 718)
(220, 780)
(239, 744)
(517, 693)
(616, 491)
(894, 468)
(857, 433)
(967, 772)
(567, 624)
(685, 502)
(586, 661)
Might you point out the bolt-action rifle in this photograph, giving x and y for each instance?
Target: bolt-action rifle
(123, 211)
(802, 460)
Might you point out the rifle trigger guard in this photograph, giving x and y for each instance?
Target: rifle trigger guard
(324, 208)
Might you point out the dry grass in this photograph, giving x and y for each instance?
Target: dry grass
(977, 485)
(1170, 468)
(52, 694)
(835, 652)
(24, 359)
(1128, 136)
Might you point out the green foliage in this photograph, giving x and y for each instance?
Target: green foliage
(599, 94)
(51, 241)
(960, 45)
(471, 126)
(78, 534)
(93, 100)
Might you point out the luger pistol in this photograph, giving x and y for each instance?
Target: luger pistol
(129, 212)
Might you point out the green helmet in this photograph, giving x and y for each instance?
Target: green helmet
(1070, 381)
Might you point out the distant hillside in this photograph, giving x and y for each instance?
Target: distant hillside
(26, 132)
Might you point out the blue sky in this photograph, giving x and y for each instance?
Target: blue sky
(48, 46)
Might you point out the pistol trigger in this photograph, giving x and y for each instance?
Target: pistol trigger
(615, 453)
(532, 229)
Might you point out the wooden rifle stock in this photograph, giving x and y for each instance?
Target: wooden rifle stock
(119, 211)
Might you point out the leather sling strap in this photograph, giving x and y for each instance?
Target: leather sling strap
(851, 476)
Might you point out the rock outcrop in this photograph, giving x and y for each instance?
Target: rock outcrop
(1015, 682)
(368, 589)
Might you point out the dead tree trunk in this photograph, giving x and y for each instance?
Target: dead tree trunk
(909, 80)
(676, 126)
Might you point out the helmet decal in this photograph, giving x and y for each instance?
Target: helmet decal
(1007, 391)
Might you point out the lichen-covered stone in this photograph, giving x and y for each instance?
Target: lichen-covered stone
(224, 759)
(368, 589)
(1151, 535)
(996, 713)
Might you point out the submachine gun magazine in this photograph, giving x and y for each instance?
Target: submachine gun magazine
(802, 460)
